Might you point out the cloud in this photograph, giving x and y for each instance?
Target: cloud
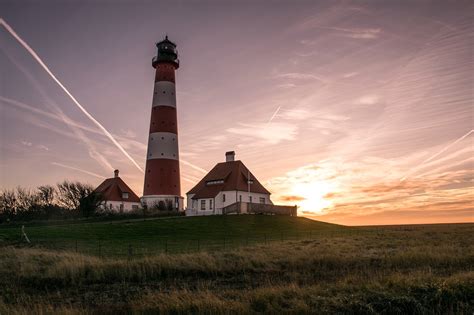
(128, 133)
(42, 147)
(368, 33)
(26, 143)
(292, 198)
(286, 85)
(334, 117)
(350, 75)
(367, 100)
(294, 114)
(272, 133)
(299, 76)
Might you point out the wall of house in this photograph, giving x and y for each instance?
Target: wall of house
(218, 202)
(116, 206)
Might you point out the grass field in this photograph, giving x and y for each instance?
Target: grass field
(170, 235)
(329, 269)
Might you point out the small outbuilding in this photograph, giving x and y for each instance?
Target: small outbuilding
(116, 195)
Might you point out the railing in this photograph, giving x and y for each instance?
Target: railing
(154, 60)
(259, 208)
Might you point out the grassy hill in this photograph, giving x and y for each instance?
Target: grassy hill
(172, 234)
(372, 270)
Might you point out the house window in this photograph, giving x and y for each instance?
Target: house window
(125, 195)
(203, 204)
(223, 197)
(111, 206)
(210, 204)
(134, 207)
(121, 207)
(250, 199)
(240, 198)
(262, 199)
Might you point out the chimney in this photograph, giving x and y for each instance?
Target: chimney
(116, 173)
(230, 156)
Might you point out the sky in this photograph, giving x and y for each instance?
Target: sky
(359, 112)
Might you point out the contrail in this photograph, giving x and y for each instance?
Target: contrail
(274, 115)
(77, 169)
(189, 180)
(437, 154)
(447, 147)
(93, 153)
(193, 166)
(38, 59)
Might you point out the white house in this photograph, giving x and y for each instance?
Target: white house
(117, 195)
(227, 183)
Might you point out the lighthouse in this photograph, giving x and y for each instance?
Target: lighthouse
(162, 178)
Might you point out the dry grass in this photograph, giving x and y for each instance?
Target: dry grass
(425, 270)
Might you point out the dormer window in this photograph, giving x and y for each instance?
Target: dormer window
(125, 195)
(214, 182)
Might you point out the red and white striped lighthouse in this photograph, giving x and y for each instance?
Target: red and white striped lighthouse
(162, 179)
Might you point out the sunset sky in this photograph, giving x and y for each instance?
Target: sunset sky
(358, 112)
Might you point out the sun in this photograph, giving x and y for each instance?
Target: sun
(312, 194)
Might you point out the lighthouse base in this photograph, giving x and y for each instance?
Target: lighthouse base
(163, 202)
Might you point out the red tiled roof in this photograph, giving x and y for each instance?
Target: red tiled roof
(111, 189)
(234, 177)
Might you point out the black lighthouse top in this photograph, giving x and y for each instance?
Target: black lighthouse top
(166, 53)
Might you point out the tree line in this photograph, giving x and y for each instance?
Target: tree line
(65, 200)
